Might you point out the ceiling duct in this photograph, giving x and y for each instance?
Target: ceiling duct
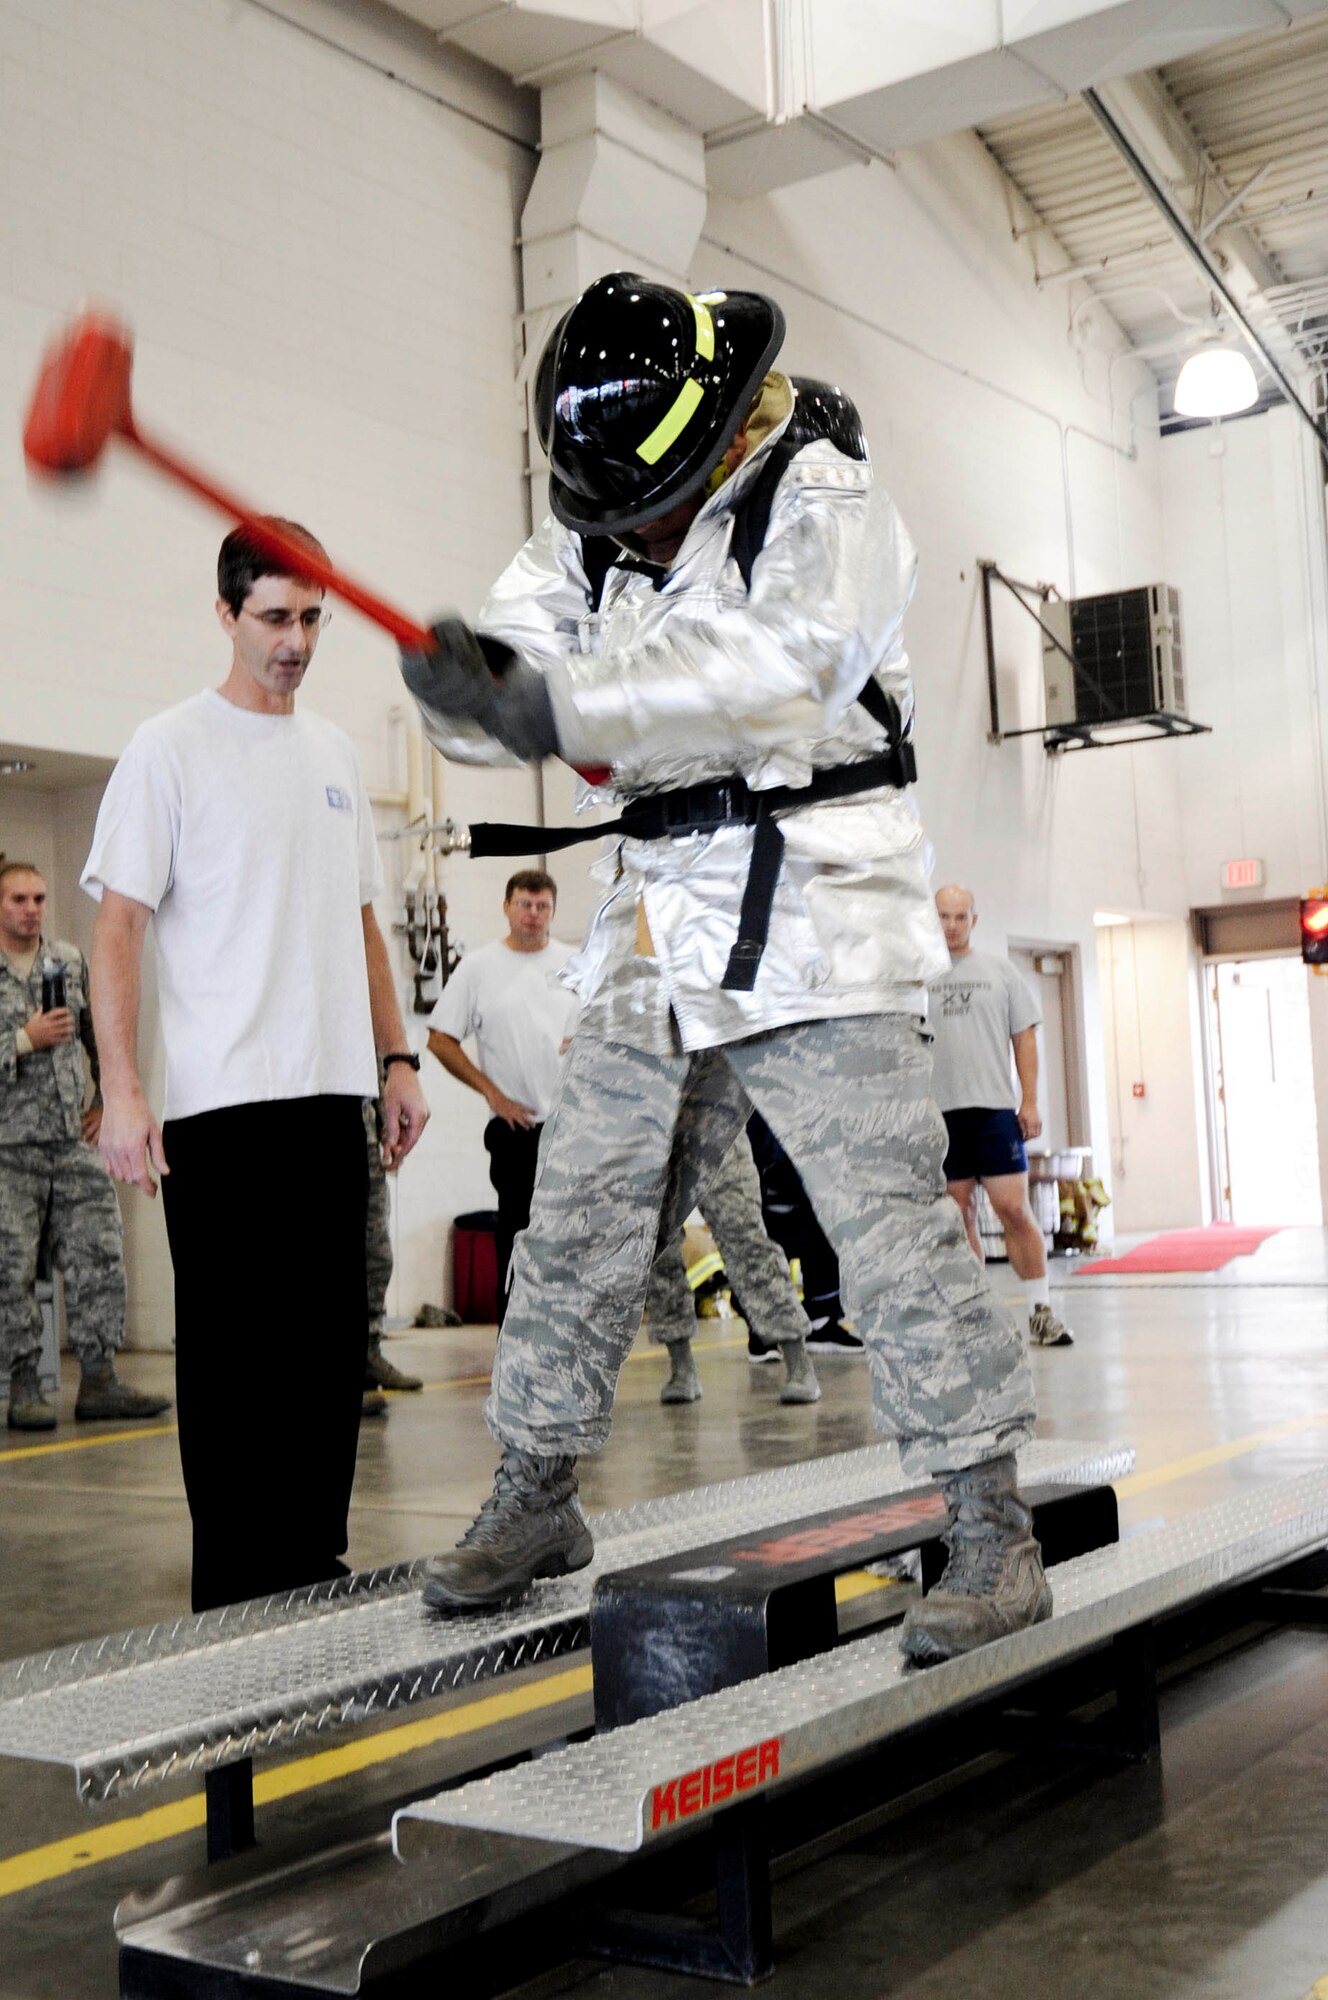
(786, 89)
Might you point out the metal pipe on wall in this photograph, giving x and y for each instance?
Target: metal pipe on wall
(414, 775)
(437, 782)
(1167, 205)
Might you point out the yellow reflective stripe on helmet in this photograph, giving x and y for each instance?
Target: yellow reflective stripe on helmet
(672, 423)
(705, 330)
(675, 420)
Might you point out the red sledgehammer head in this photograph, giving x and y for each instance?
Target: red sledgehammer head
(81, 397)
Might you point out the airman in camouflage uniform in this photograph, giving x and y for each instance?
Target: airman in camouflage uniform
(850, 1100)
(710, 627)
(51, 1181)
(757, 1271)
(379, 1372)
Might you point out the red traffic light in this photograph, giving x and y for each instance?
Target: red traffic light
(1314, 929)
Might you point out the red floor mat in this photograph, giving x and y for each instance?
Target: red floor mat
(1184, 1250)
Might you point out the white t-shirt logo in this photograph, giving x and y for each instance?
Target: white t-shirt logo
(338, 800)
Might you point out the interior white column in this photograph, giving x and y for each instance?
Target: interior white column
(620, 186)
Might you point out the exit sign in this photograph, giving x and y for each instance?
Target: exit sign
(1242, 874)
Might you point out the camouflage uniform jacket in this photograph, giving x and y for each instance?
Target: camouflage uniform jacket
(41, 1095)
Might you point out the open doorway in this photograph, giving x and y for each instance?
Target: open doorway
(1050, 973)
(1261, 1090)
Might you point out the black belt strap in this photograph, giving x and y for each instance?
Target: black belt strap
(704, 809)
(498, 837)
(758, 899)
(699, 808)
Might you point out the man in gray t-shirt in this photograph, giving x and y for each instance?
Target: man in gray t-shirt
(979, 1011)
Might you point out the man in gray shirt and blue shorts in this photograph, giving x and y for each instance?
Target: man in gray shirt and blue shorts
(978, 1010)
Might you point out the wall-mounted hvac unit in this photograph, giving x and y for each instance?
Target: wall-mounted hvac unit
(1124, 656)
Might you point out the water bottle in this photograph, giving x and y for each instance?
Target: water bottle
(53, 986)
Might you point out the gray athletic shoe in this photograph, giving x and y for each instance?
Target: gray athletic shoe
(373, 1403)
(1045, 1330)
(530, 1526)
(28, 1408)
(102, 1395)
(380, 1373)
(800, 1384)
(684, 1384)
(993, 1583)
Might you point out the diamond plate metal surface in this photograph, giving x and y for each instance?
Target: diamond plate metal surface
(142, 1706)
(599, 1793)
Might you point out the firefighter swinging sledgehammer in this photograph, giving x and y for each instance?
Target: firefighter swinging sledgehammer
(713, 616)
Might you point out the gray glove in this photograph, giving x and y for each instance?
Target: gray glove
(486, 682)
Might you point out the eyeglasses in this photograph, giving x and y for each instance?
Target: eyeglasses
(311, 621)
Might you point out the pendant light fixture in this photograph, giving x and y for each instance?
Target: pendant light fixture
(1215, 382)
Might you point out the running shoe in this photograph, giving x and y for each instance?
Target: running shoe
(834, 1338)
(760, 1351)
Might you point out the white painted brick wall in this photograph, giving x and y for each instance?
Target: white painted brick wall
(907, 291)
(1239, 532)
(319, 266)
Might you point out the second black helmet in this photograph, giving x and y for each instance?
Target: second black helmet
(640, 392)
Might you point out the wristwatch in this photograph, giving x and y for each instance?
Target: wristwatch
(402, 1055)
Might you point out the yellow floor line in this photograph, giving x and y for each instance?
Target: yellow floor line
(88, 1443)
(1217, 1454)
(124, 1836)
(322, 1767)
(860, 1583)
(447, 1384)
(638, 1354)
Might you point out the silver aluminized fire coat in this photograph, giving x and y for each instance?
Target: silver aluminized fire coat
(701, 680)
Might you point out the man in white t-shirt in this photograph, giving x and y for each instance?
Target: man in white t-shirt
(243, 833)
(979, 1010)
(509, 997)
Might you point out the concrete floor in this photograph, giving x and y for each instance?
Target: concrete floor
(1204, 1880)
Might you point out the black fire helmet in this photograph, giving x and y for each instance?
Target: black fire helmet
(641, 390)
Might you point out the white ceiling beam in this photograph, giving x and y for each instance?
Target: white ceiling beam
(1237, 200)
(1164, 139)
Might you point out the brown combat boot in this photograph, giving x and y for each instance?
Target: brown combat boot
(380, 1373)
(28, 1408)
(800, 1383)
(684, 1384)
(101, 1395)
(993, 1583)
(530, 1526)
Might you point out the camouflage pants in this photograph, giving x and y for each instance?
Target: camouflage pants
(631, 1143)
(755, 1267)
(378, 1240)
(63, 1189)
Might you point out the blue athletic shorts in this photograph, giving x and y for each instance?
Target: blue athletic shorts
(983, 1144)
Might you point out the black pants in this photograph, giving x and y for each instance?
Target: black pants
(266, 1208)
(791, 1220)
(513, 1156)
